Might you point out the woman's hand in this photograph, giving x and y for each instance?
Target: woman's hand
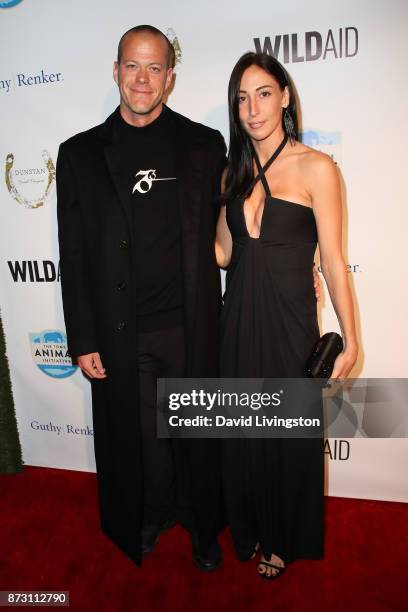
(344, 363)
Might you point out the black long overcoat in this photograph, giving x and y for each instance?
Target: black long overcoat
(95, 237)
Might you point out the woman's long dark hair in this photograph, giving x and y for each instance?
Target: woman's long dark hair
(240, 170)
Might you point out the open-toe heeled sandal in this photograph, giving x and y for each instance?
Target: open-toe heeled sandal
(266, 576)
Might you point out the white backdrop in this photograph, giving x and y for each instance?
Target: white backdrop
(56, 80)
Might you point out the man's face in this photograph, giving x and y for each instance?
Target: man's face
(142, 77)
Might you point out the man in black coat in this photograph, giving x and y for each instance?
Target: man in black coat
(137, 208)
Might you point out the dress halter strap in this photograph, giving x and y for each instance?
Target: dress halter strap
(263, 169)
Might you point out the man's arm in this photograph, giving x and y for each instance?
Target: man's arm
(75, 284)
(220, 162)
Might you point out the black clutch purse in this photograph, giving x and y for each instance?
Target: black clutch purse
(321, 362)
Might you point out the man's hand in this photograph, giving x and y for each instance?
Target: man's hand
(91, 365)
(316, 283)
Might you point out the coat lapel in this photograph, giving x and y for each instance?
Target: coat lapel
(113, 162)
(190, 160)
(190, 168)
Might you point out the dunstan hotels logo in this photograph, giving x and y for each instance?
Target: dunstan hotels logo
(30, 186)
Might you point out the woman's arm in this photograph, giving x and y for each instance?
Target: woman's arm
(223, 238)
(326, 202)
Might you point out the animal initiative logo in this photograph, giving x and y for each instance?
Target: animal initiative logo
(9, 3)
(50, 353)
(35, 182)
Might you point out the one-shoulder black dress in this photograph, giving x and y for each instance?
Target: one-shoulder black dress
(274, 488)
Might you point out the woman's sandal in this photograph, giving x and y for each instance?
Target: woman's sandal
(266, 576)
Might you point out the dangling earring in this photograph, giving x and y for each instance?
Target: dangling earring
(289, 126)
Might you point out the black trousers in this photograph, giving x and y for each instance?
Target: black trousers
(161, 354)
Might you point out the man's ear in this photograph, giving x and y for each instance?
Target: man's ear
(169, 78)
(115, 72)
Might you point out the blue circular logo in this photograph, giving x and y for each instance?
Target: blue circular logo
(9, 3)
(50, 353)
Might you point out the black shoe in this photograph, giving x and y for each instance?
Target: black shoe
(151, 533)
(211, 560)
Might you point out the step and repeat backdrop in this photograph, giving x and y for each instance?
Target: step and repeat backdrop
(348, 62)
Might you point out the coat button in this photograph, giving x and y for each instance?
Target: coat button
(123, 244)
(120, 326)
(121, 286)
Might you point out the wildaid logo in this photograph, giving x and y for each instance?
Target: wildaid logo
(310, 46)
(50, 353)
(33, 271)
(37, 182)
(327, 142)
(337, 450)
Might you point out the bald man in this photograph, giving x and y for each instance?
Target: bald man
(137, 208)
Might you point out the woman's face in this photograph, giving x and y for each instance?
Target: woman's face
(261, 103)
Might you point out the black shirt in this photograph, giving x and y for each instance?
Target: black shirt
(149, 169)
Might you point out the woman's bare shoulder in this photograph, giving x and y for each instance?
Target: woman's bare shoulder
(314, 166)
(312, 160)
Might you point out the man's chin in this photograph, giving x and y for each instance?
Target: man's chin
(140, 114)
(143, 109)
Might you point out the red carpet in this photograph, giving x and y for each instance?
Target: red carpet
(50, 539)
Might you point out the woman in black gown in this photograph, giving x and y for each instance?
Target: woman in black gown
(281, 199)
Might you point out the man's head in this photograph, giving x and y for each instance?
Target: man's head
(143, 73)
